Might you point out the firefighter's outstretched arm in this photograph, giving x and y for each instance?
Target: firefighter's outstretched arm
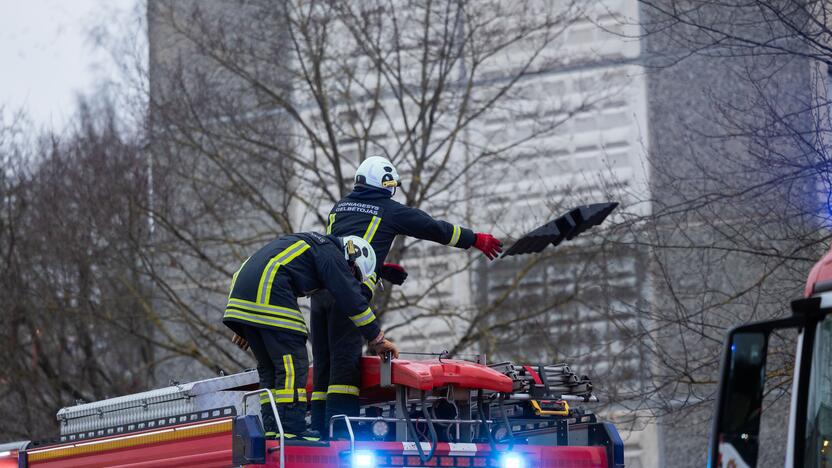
(414, 222)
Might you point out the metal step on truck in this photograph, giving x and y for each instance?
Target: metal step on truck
(432, 412)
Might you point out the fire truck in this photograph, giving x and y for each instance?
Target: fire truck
(433, 411)
(735, 439)
(430, 412)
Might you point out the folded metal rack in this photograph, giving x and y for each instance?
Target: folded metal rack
(557, 382)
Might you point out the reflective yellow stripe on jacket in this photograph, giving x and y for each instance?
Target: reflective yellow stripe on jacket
(260, 311)
(364, 318)
(259, 319)
(331, 222)
(276, 311)
(372, 281)
(372, 228)
(455, 236)
(267, 278)
(234, 277)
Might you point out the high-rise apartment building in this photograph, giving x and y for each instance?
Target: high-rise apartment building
(605, 111)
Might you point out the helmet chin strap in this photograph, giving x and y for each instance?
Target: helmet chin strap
(352, 254)
(356, 272)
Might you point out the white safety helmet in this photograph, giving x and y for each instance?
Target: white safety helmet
(378, 172)
(358, 252)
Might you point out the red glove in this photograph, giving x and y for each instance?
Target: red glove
(393, 273)
(488, 244)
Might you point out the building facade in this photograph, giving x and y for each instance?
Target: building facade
(608, 111)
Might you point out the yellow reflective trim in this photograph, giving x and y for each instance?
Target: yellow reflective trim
(283, 396)
(344, 389)
(455, 236)
(234, 277)
(283, 258)
(277, 320)
(318, 396)
(364, 318)
(295, 255)
(279, 400)
(372, 228)
(264, 291)
(288, 254)
(265, 309)
(278, 392)
(371, 281)
(331, 221)
(247, 317)
(289, 367)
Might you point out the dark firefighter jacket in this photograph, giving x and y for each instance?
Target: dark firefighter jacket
(371, 213)
(265, 289)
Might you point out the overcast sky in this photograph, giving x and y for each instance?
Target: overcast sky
(47, 55)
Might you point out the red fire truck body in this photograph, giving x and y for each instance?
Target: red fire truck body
(501, 416)
(210, 445)
(206, 444)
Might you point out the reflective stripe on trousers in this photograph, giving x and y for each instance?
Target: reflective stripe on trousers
(343, 389)
(283, 396)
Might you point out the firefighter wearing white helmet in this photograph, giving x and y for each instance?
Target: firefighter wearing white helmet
(369, 212)
(263, 312)
(378, 172)
(360, 255)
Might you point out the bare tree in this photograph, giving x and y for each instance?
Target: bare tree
(71, 226)
(258, 119)
(738, 191)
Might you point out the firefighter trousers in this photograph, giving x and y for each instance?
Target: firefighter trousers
(336, 351)
(282, 365)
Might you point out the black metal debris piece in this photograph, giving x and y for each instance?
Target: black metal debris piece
(567, 227)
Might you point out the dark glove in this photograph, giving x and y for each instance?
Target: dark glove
(240, 342)
(488, 244)
(386, 346)
(393, 273)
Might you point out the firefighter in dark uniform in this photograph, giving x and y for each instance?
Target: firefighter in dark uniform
(263, 312)
(370, 212)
